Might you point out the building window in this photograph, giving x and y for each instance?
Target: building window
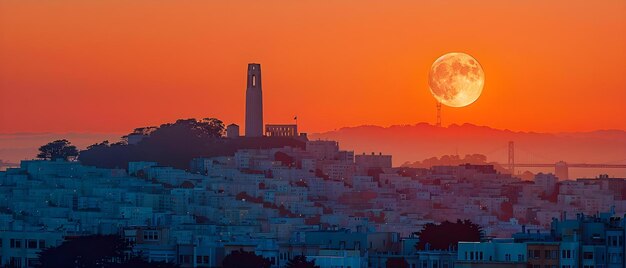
(554, 254)
(588, 255)
(15, 262)
(184, 258)
(151, 235)
(16, 243)
(566, 254)
(534, 254)
(42, 243)
(31, 243)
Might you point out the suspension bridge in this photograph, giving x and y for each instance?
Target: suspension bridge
(561, 168)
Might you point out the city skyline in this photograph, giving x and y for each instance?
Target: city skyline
(535, 76)
(402, 134)
(409, 143)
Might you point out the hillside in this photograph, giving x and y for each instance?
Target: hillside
(421, 141)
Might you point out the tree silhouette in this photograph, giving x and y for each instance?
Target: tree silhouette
(106, 251)
(301, 262)
(59, 149)
(398, 262)
(176, 144)
(245, 259)
(448, 234)
(86, 251)
(285, 159)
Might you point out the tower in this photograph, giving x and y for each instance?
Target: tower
(254, 102)
(438, 114)
(511, 161)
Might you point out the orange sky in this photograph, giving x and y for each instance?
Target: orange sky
(111, 66)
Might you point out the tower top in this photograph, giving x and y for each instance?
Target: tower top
(254, 66)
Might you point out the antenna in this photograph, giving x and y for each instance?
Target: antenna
(438, 114)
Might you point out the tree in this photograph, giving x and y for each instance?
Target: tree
(106, 251)
(397, 263)
(448, 234)
(176, 144)
(245, 259)
(86, 251)
(212, 126)
(59, 149)
(301, 262)
(285, 159)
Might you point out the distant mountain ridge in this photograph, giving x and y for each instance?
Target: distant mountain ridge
(410, 143)
(423, 140)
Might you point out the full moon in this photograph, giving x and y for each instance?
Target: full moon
(456, 79)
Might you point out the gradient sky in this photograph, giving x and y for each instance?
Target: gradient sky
(111, 66)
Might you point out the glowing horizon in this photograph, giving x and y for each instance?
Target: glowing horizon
(79, 66)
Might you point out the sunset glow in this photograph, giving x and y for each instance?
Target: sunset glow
(552, 66)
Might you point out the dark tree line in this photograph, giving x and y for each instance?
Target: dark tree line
(396, 262)
(59, 149)
(247, 259)
(103, 251)
(112, 251)
(176, 144)
(300, 262)
(173, 144)
(448, 234)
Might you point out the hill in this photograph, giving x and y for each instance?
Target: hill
(176, 144)
(409, 143)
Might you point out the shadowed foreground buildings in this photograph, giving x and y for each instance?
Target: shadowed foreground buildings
(316, 201)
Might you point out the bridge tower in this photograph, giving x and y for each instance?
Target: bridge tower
(511, 161)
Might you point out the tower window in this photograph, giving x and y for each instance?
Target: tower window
(254, 80)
